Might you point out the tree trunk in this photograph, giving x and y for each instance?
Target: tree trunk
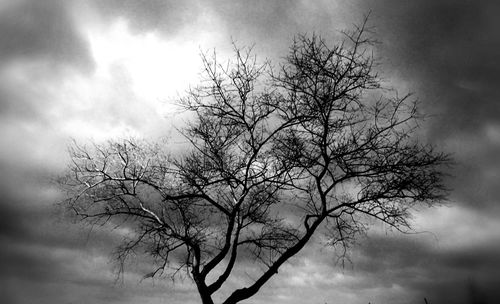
(205, 298)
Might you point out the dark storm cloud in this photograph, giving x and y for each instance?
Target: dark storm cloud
(41, 38)
(44, 259)
(447, 51)
(260, 21)
(30, 237)
(271, 25)
(424, 269)
(451, 49)
(41, 30)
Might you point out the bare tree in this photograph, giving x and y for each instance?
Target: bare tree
(313, 146)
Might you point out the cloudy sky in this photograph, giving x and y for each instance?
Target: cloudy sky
(99, 69)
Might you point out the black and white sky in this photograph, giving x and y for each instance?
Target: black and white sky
(100, 69)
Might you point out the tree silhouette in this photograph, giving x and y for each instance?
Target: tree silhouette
(316, 145)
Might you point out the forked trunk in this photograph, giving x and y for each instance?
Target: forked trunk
(206, 298)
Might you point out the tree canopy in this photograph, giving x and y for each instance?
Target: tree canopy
(277, 154)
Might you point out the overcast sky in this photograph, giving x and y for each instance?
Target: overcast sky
(99, 69)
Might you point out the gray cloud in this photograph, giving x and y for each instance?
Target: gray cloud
(46, 259)
(42, 37)
(42, 30)
(155, 15)
(269, 25)
(258, 21)
(423, 269)
(450, 49)
(447, 53)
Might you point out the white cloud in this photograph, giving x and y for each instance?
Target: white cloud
(157, 68)
(458, 228)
